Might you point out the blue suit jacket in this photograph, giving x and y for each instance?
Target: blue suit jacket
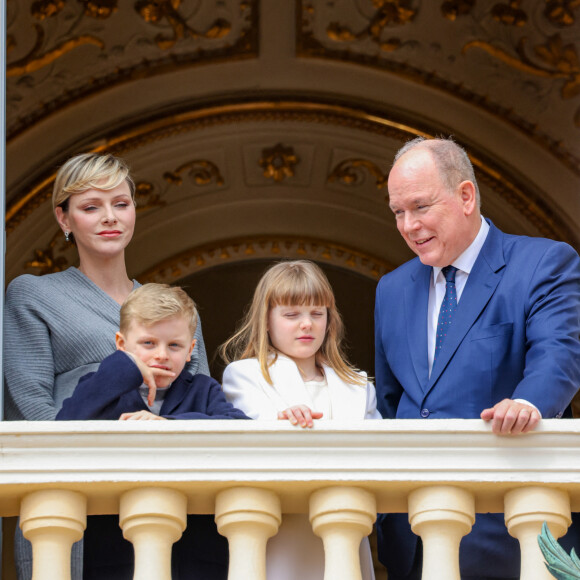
(201, 553)
(515, 334)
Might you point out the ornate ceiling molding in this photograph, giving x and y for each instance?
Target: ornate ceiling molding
(197, 259)
(537, 40)
(62, 51)
(535, 208)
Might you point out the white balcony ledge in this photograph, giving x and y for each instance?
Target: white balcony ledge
(390, 459)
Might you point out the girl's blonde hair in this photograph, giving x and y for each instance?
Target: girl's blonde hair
(299, 283)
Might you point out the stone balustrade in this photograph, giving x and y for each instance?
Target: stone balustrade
(54, 474)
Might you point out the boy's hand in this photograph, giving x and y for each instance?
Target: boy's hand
(141, 416)
(300, 414)
(149, 374)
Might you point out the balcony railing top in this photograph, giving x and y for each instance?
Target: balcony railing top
(103, 459)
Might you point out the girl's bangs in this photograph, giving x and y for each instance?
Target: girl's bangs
(301, 292)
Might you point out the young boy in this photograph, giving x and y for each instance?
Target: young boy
(145, 380)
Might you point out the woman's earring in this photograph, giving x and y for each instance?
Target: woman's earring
(66, 237)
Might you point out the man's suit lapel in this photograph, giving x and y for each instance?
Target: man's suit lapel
(416, 312)
(481, 284)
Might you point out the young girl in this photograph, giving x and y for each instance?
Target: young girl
(289, 365)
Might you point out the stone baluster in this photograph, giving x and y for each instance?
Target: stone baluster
(441, 515)
(153, 519)
(342, 517)
(526, 508)
(52, 520)
(247, 516)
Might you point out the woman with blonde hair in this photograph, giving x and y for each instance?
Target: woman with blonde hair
(60, 326)
(286, 363)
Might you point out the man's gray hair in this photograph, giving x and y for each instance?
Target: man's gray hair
(451, 160)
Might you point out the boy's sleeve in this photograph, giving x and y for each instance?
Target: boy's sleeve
(98, 395)
(216, 406)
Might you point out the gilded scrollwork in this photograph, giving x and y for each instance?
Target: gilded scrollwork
(34, 60)
(100, 9)
(561, 12)
(52, 258)
(201, 171)
(279, 162)
(230, 251)
(42, 9)
(510, 13)
(147, 197)
(389, 13)
(154, 11)
(555, 60)
(349, 172)
(453, 9)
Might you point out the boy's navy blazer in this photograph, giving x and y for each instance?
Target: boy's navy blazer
(515, 334)
(201, 553)
(114, 389)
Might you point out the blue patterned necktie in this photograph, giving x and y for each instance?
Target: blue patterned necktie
(448, 308)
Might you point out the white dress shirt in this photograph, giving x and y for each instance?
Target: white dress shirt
(464, 265)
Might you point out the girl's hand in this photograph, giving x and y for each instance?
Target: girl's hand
(300, 415)
(141, 416)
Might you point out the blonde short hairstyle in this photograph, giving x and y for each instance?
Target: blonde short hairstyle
(152, 303)
(299, 283)
(89, 171)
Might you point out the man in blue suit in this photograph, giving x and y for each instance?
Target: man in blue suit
(508, 351)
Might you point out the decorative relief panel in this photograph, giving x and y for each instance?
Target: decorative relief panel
(519, 60)
(231, 251)
(280, 163)
(61, 50)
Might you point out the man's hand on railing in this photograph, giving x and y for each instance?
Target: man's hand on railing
(510, 417)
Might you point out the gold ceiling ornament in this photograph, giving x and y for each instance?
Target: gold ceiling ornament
(349, 172)
(194, 260)
(389, 13)
(153, 11)
(509, 13)
(146, 196)
(42, 9)
(34, 61)
(561, 12)
(456, 8)
(555, 61)
(52, 258)
(201, 171)
(278, 162)
(100, 9)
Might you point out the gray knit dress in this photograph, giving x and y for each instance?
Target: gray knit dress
(57, 328)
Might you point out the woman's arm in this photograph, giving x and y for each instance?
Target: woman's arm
(28, 359)
(198, 363)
